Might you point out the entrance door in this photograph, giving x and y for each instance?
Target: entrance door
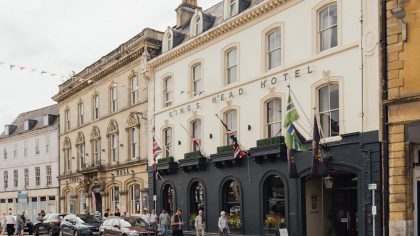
(344, 213)
(98, 199)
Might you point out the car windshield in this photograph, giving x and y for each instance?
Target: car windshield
(136, 222)
(87, 219)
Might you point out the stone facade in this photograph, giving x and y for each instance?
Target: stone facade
(103, 116)
(402, 103)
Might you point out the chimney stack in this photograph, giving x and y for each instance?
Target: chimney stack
(185, 11)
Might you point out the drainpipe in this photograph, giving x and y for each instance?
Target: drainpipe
(385, 155)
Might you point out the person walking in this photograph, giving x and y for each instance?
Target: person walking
(3, 224)
(153, 219)
(19, 225)
(223, 224)
(10, 224)
(164, 223)
(199, 224)
(176, 223)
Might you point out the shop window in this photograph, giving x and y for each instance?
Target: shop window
(231, 204)
(168, 199)
(197, 198)
(274, 205)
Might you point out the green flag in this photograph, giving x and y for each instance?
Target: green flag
(291, 113)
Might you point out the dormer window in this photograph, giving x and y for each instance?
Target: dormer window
(26, 125)
(167, 42)
(196, 26)
(231, 8)
(46, 120)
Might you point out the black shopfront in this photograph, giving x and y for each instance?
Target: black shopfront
(259, 198)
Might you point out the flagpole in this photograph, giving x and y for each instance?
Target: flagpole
(192, 137)
(319, 129)
(300, 106)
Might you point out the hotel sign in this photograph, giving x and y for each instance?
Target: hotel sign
(298, 73)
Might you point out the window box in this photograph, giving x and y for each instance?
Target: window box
(167, 165)
(224, 157)
(271, 149)
(193, 161)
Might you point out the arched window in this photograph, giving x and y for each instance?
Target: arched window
(273, 48)
(133, 129)
(167, 41)
(168, 94)
(135, 199)
(81, 113)
(71, 203)
(197, 25)
(113, 141)
(274, 203)
(167, 140)
(231, 120)
(197, 198)
(231, 204)
(327, 28)
(80, 144)
(231, 8)
(115, 198)
(273, 118)
(196, 79)
(67, 155)
(168, 199)
(231, 66)
(95, 139)
(196, 132)
(67, 119)
(329, 110)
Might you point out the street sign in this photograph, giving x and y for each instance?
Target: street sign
(372, 186)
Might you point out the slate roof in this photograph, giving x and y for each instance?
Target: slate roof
(216, 12)
(36, 115)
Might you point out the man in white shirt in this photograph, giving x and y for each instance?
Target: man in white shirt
(10, 222)
(145, 216)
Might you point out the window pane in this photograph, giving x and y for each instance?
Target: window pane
(333, 14)
(232, 75)
(231, 120)
(231, 58)
(335, 123)
(323, 99)
(323, 19)
(334, 102)
(333, 36)
(270, 112)
(274, 59)
(325, 124)
(197, 72)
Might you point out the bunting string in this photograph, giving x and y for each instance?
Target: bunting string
(21, 68)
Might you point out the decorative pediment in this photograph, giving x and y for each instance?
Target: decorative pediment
(112, 127)
(67, 143)
(95, 133)
(80, 138)
(132, 121)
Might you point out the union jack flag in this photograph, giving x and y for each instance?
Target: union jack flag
(156, 151)
(238, 153)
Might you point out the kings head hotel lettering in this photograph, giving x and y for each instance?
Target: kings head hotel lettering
(184, 109)
(298, 73)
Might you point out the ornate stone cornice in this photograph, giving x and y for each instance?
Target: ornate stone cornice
(218, 31)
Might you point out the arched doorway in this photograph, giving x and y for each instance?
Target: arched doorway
(168, 199)
(274, 204)
(332, 204)
(231, 204)
(97, 199)
(196, 199)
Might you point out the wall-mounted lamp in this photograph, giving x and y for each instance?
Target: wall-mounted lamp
(249, 127)
(328, 182)
(179, 142)
(399, 13)
(211, 136)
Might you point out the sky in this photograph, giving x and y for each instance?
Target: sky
(61, 36)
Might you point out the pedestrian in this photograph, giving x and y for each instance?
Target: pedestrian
(3, 223)
(23, 221)
(19, 225)
(117, 212)
(39, 218)
(199, 224)
(176, 223)
(153, 219)
(106, 215)
(10, 224)
(223, 224)
(145, 216)
(164, 223)
(42, 213)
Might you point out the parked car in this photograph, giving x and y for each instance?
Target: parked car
(50, 224)
(79, 225)
(132, 226)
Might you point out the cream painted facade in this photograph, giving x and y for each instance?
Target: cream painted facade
(29, 164)
(104, 158)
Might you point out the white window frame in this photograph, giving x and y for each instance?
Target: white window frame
(134, 143)
(81, 153)
(168, 144)
(48, 172)
(231, 67)
(197, 80)
(26, 177)
(80, 108)
(114, 148)
(134, 85)
(67, 160)
(37, 176)
(168, 91)
(269, 51)
(95, 102)
(113, 98)
(329, 110)
(316, 49)
(67, 119)
(279, 121)
(96, 151)
(115, 202)
(134, 201)
(230, 124)
(196, 131)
